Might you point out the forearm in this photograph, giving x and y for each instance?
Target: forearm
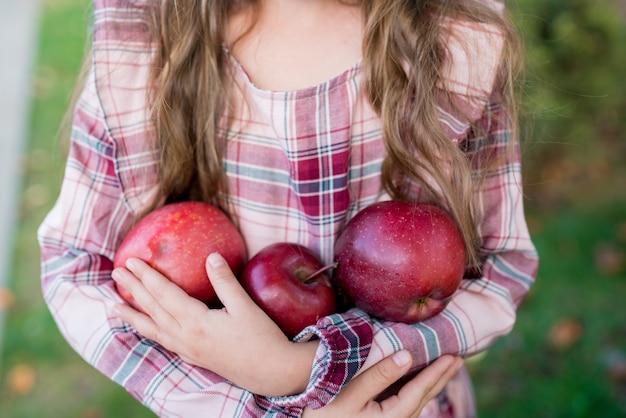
(153, 375)
(296, 369)
(482, 310)
(77, 240)
(283, 372)
(479, 313)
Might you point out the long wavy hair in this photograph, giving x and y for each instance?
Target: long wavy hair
(191, 80)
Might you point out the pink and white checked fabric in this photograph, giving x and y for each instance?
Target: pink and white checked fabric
(301, 164)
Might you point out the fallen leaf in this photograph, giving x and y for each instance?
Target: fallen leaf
(21, 379)
(565, 333)
(91, 413)
(615, 363)
(38, 160)
(609, 259)
(36, 196)
(7, 299)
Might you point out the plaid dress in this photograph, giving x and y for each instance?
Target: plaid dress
(300, 165)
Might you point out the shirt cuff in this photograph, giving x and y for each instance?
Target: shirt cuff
(345, 342)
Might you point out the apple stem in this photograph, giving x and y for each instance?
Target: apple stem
(318, 272)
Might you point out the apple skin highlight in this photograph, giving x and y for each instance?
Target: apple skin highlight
(289, 282)
(176, 239)
(401, 261)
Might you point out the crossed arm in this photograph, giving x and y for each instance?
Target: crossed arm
(79, 237)
(185, 325)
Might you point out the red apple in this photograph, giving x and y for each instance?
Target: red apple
(400, 261)
(290, 284)
(176, 239)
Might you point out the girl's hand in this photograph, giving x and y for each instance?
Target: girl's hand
(357, 399)
(239, 342)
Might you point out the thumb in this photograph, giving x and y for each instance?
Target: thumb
(224, 282)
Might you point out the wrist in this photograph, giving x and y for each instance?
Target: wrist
(297, 366)
(285, 371)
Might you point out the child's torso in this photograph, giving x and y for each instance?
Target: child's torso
(302, 162)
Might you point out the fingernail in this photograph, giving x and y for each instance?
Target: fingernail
(401, 358)
(216, 260)
(459, 363)
(130, 264)
(116, 275)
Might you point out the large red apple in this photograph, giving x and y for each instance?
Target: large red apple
(400, 260)
(290, 284)
(176, 239)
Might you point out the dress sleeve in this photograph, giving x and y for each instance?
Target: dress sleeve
(98, 203)
(109, 174)
(78, 239)
(483, 308)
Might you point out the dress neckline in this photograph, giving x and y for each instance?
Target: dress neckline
(347, 75)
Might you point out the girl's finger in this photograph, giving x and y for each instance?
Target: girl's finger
(132, 284)
(146, 287)
(427, 384)
(164, 295)
(159, 286)
(227, 287)
(363, 388)
(142, 323)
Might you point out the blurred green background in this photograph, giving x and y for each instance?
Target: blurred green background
(566, 356)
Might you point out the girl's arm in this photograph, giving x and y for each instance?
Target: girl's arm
(110, 173)
(78, 239)
(482, 309)
(239, 341)
(359, 397)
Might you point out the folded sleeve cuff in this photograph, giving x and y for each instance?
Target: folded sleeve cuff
(345, 342)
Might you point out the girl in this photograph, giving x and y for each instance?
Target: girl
(290, 115)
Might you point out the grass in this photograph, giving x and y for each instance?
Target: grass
(571, 334)
(562, 359)
(41, 375)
